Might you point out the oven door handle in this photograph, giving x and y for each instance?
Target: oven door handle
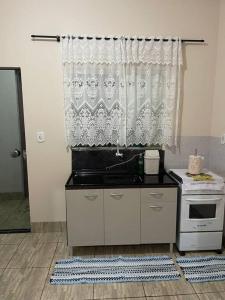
(203, 200)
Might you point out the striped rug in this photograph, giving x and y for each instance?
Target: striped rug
(202, 268)
(114, 269)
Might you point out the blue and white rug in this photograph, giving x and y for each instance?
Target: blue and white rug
(79, 270)
(202, 268)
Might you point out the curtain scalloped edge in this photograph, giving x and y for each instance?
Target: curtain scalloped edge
(124, 145)
(124, 63)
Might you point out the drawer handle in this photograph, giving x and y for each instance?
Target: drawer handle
(116, 196)
(155, 206)
(203, 200)
(91, 197)
(156, 195)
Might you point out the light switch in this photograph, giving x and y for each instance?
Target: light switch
(40, 136)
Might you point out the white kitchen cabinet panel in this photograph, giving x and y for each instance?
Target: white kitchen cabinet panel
(158, 215)
(122, 216)
(85, 217)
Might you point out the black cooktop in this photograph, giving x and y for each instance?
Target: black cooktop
(83, 180)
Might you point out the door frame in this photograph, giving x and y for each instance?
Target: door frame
(22, 140)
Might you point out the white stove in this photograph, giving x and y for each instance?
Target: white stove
(200, 212)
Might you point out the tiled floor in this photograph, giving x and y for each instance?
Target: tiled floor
(27, 260)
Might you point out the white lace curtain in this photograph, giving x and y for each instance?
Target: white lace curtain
(123, 89)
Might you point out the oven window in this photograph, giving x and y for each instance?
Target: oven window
(202, 211)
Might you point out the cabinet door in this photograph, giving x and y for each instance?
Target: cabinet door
(122, 216)
(158, 215)
(85, 221)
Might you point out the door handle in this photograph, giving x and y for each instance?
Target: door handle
(15, 153)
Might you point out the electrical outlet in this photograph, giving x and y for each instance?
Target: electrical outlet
(40, 136)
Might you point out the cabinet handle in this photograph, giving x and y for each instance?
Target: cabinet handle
(91, 197)
(116, 196)
(155, 206)
(157, 195)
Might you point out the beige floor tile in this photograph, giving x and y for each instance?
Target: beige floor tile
(22, 284)
(102, 251)
(12, 238)
(63, 251)
(133, 250)
(118, 290)
(209, 287)
(165, 288)
(44, 237)
(139, 298)
(67, 292)
(62, 237)
(33, 254)
(6, 253)
(179, 297)
(212, 296)
(157, 249)
(48, 226)
(84, 251)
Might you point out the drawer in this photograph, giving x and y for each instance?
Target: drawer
(159, 194)
(192, 241)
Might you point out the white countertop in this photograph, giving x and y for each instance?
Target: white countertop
(189, 184)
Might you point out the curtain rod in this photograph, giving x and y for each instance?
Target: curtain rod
(57, 38)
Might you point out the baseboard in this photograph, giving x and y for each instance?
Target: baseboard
(48, 226)
(18, 230)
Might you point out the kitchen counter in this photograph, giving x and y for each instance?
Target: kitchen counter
(120, 209)
(108, 203)
(106, 181)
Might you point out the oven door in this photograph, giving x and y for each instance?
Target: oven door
(202, 213)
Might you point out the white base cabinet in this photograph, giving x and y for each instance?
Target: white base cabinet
(85, 217)
(121, 216)
(158, 215)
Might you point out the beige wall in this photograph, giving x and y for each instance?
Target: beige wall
(49, 163)
(218, 112)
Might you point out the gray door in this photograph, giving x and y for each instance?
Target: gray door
(14, 204)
